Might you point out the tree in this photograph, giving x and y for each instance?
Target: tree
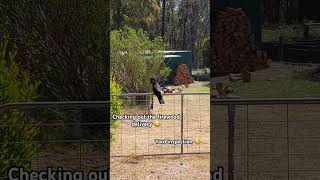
(136, 14)
(183, 25)
(163, 19)
(187, 25)
(62, 44)
(135, 59)
(206, 52)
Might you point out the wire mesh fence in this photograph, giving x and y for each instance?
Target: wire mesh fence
(266, 138)
(192, 110)
(67, 135)
(74, 136)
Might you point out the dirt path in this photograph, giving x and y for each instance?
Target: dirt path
(185, 167)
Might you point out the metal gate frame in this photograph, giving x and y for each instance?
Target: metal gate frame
(231, 105)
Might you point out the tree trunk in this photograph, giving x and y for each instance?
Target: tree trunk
(118, 15)
(163, 25)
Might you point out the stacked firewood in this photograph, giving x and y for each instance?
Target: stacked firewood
(233, 44)
(182, 76)
(168, 90)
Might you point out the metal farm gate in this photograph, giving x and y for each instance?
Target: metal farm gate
(266, 138)
(193, 110)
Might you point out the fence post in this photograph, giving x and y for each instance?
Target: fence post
(181, 115)
(306, 31)
(281, 49)
(231, 118)
(288, 143)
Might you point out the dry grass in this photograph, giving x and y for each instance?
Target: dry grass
(182, 167)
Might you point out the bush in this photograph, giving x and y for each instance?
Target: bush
(135, 58)
(15, 87)
(206, 52)
(116, 105)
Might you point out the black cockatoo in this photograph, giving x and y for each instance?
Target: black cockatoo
(157, 90)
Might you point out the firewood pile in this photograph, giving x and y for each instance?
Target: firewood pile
(181, 75)
(169, 90)
(234, 48)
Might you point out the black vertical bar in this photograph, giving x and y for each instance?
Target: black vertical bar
(135, 130)
(306, 31)
(248, 142)
(288, 145)
(121, 126)
(231, 116)
(80, 145)
(281, 49)
(174, 124)
(149, 112)
(182, 104)
(199, 120)
(38, 139)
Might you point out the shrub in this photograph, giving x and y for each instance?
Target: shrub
(135, 58)
(206, 52)
(15, 87)
(116, 105)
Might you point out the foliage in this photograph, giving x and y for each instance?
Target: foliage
(185, 23)
(135, 14)
(62, 44)
(15, 88)
(206, 52)
(116, 105)
(135, 59)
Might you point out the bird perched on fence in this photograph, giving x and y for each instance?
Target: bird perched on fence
(157, 90)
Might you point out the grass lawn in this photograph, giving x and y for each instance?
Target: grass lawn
(285, 88)
(278, 81)
(200, 71)
(288, 32)
(196, 89)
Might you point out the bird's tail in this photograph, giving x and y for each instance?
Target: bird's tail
(161, 101)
